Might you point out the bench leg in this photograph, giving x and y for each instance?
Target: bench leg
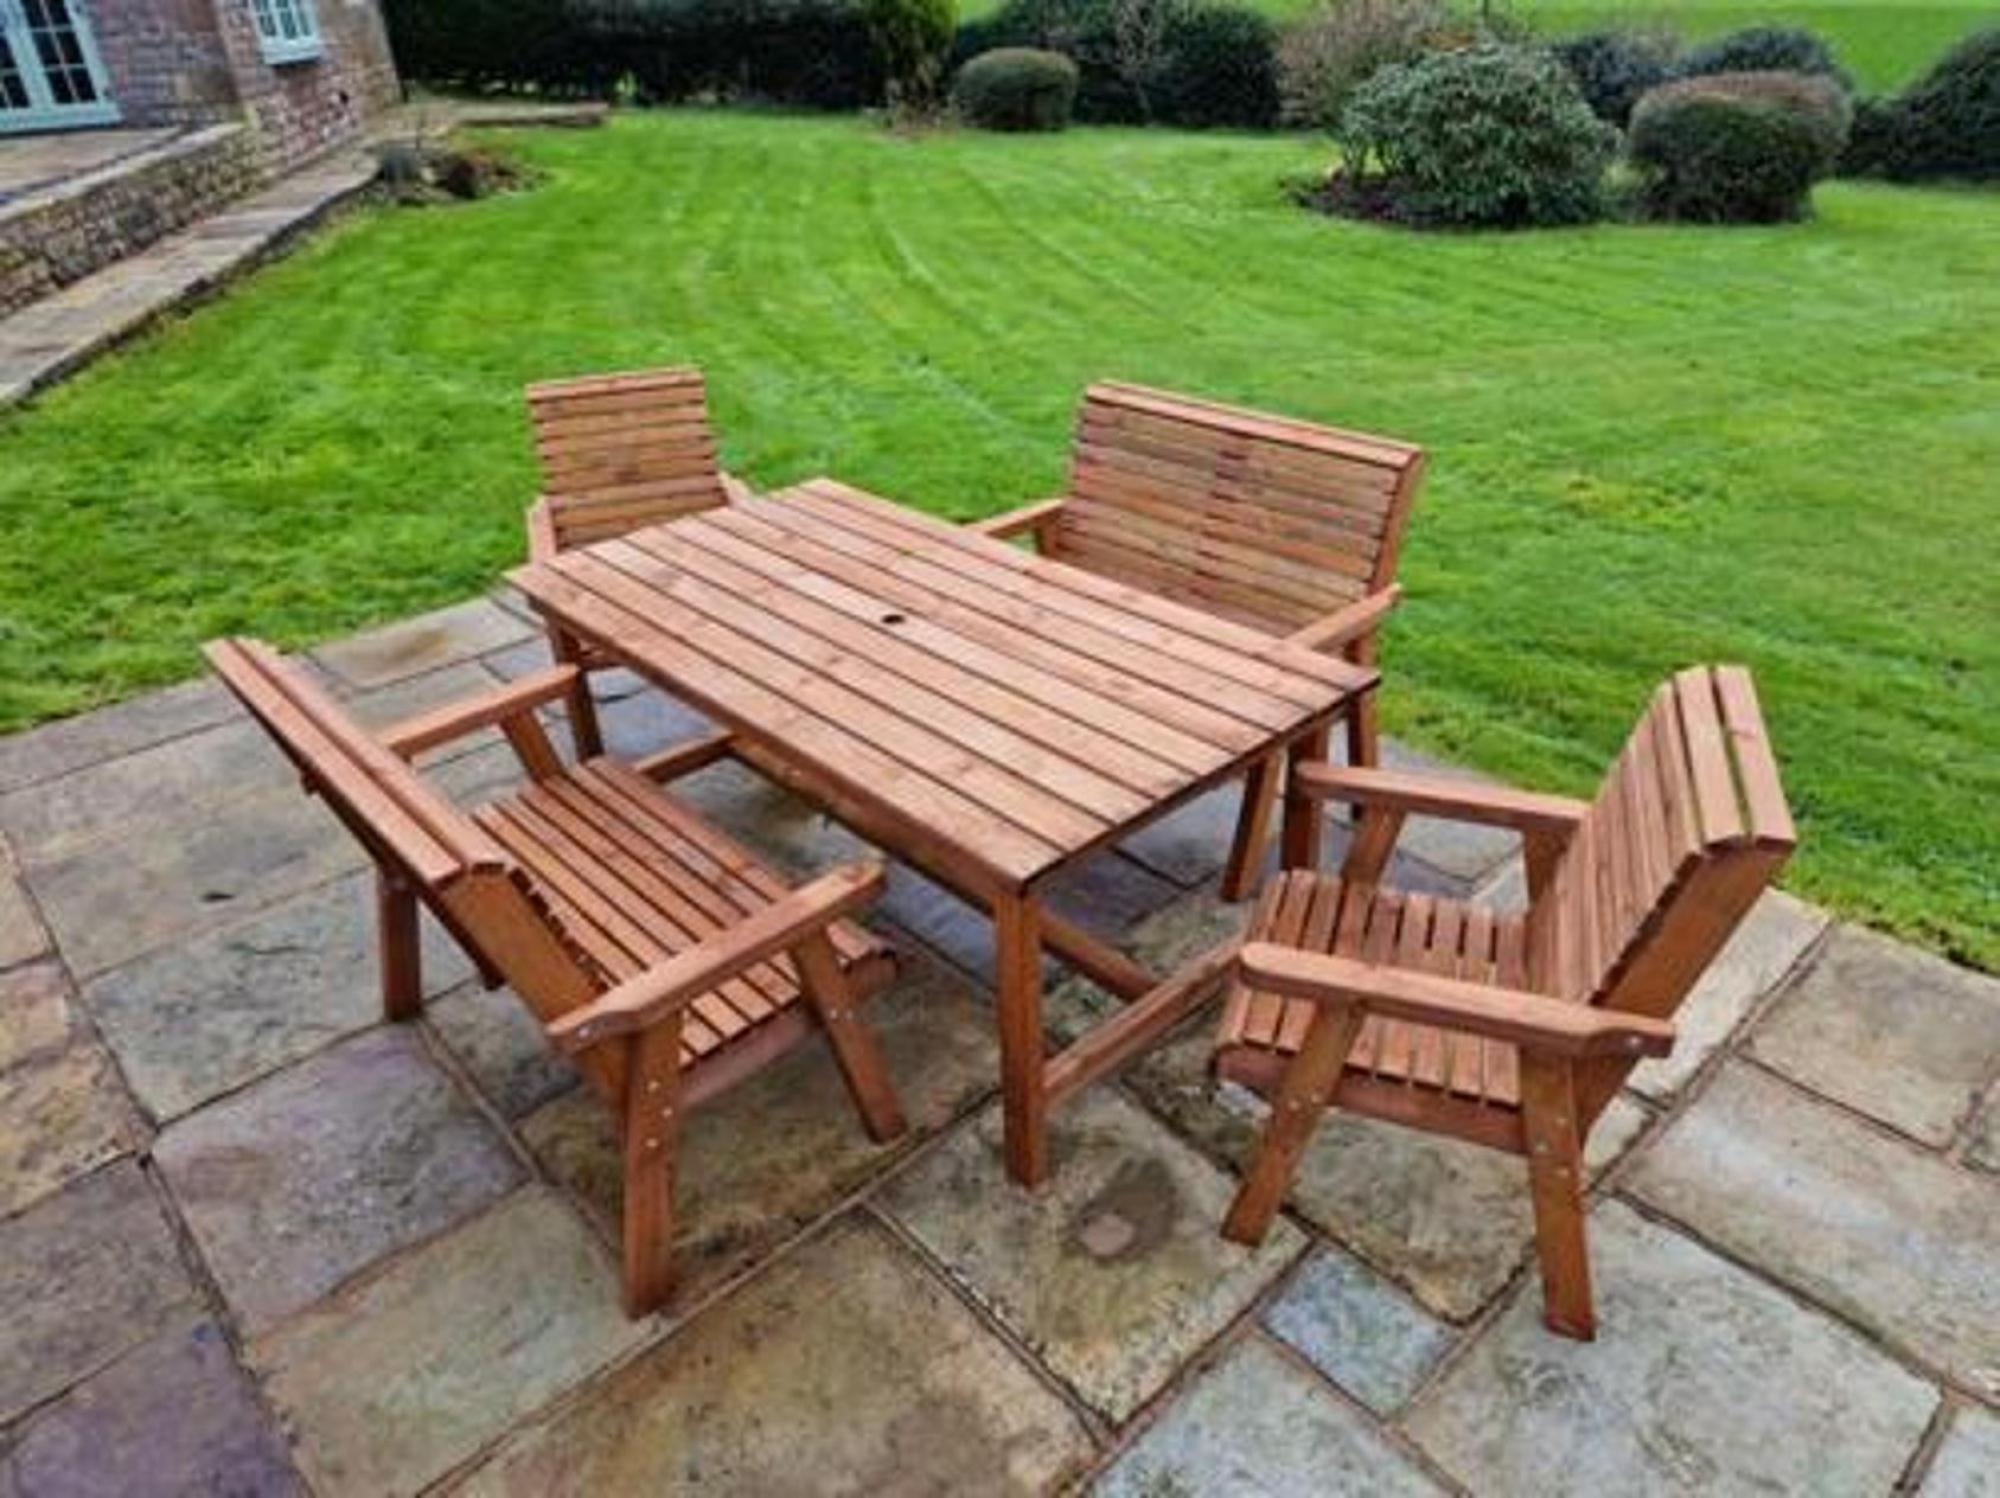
(832, 998)
(1303, 1095)
(651, 1128)
(580, 705)
(1017, 957)
(1555, 1179)
(1364, 739)
(1253, 820)
(401, 954)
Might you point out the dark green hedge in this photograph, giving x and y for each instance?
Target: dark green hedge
(1945, 125)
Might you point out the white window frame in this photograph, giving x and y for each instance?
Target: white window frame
(287, 30)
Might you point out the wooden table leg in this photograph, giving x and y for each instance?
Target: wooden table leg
(1304, 817)
(1017, 959)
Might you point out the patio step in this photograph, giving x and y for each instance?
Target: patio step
(55, 336)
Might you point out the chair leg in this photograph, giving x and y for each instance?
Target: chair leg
(651, 1127)
(1304, 817)
(1253, 821)
(1303, 1096)
(854, 1049)
(1364, 740)
(581, 706)
(1375, 832)
(1555, 1180)
(401, 951)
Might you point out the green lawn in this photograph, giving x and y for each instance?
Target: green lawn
(1884, 43)
(1651, 446)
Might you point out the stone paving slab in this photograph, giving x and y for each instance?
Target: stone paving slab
(390, 1384)
(845, 1368)
(785, 1146)
(62, 1113)
(85, 1275)
(23, 937)
(1258, 1423)
(1448, 1220)
(202, 1018)
(500, 1043)
(175, 1416)
(1777, 933)
(305, 1178)
(1983, 1136)
(35, 1012)
(421, 644)
(1112, 1273)
(1358, 1330)
(71, 744)
(1897, 1240)
(1890, 1031)
(1703, 1379)
(1967, 1463)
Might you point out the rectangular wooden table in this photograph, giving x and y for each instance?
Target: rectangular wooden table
(989, 716)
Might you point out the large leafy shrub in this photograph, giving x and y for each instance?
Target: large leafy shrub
(913, 38)
(1736, 148)
(1016, 88)
(1613, 68)
(1327, 54)
(1946, 124)
(1174, 62)
(1490, 136)
(1763, 49)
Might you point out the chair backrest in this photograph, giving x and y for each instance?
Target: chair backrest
(623, 450)
(1267, 520)
(461, 873)
(1687, 829)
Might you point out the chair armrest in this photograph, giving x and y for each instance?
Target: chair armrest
(413, 736)
(1035, 517)
(1531, 1020)
(735, 488)
(1343, 627)
(1435, 796)
(674, 984)
(541, 530)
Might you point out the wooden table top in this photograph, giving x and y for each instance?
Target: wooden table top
(1002, 710)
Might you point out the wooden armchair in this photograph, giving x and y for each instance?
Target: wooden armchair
(660, 954)
(1511, 1032)
(1285, 526)
(617, 452)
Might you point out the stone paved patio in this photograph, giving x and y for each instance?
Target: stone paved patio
(254, 1241)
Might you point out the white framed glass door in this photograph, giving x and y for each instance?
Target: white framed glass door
(51, 77)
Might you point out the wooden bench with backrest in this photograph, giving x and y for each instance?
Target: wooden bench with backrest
(617, 451)
(1289, 527)
(660, 954)
(1508, 1031)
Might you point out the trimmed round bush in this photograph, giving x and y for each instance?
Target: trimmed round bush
(1718, 156)
(1492, 136)
(1814, 98)
(1016, 88)
(1763, 49)
(1613, 68)
(1324, 56)
(1218, 66)
(1946, 124)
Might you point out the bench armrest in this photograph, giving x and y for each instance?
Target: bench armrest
(541, 530)
(1035, 517)
(734, 487)
(413, 736)
(1436, 796)
(1343, 627)
(674, 984)
(1531, 1020)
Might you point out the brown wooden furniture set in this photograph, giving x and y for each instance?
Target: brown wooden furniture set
(1202, 604)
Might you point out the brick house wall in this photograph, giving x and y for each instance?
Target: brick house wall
(164, 60)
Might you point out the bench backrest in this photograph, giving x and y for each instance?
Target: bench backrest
(1687, 829)
(623, 450)
(1267, 520)
(473, 886)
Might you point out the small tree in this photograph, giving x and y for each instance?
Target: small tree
(1139, 31)
(914, 39)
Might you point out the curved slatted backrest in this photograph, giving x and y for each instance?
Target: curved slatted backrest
(1687, 829)
(1270, 521)
(623, 450)
(467, 879)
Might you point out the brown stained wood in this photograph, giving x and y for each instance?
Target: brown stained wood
(416, 736)
(1025, 519)
(676, 760)
(1517, 1033)
(1304, 824)
(1441, 796)
(1017, 962)
(651, 1125)
(1253, 825)
(1302, 1098)
(660, 952)
(1140, 1023)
